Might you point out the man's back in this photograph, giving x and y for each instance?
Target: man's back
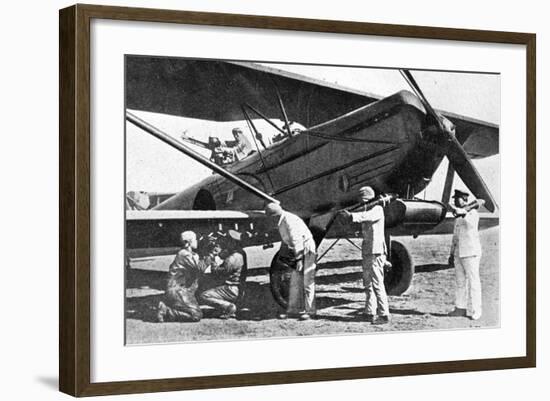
(294, 232)
(185, 269)
(233, 268)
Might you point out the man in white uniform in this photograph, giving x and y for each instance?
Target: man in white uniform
(374, 252)
(297, 241)
(465, 255)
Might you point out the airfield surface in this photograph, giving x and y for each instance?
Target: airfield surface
(340, 296)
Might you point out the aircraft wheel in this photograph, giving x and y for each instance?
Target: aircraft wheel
(398, 278)
(279, 281)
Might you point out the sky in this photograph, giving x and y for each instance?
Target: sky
(156, 167)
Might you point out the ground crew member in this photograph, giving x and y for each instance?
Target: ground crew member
(374, 252)
(233, 271)
(181, 302)
(298, 242)
(465, 256)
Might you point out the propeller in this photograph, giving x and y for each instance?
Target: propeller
(458, 158)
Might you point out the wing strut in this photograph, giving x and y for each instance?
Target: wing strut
(138, 122)
(267, 120)
(256, 134)
(282, 107)
(446, 196)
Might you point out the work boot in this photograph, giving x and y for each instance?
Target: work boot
(162, 311)
(368, 317)
(230, 312)
(305, 316)
(289, 315)
(475, 316)
(457, 312)
(382, 319)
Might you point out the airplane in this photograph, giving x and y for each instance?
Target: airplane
(350, 139)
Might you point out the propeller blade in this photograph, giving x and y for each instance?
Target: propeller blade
(458, 158)
(462, 164)
(418, 92)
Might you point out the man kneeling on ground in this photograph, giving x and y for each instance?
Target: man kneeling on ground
(232, 271)
(185, 271)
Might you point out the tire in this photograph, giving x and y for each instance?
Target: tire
(398, 278)
(279, 282)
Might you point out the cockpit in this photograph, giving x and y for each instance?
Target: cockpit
(229, 151)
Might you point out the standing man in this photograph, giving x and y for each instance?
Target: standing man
(465, 256)
(233, 271)
(181, 302)
(298, 243)
(374, 251)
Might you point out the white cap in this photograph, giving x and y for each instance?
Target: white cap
(188, 236)
(273, 209)
(366, 192)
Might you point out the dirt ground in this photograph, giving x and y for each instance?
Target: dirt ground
(340, 297)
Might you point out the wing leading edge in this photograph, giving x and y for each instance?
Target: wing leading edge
(216, 91)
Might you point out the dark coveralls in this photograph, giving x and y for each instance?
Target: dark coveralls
(226, 296)
(181, 301)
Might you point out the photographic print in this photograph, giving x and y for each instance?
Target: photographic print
(267, 200)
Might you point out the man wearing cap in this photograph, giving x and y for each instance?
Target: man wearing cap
(465, 256)
(374, 252)
(233, 273)
(185, 271)
(297, 242)
(235, 150)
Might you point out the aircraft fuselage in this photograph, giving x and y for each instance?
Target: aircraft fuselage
(381, 144)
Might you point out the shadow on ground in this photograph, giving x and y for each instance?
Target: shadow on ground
(354, 316)
(338, 264)
(143, 308)
(409, 312)
(431, 268)
(338, 278)
(258, 302)
(138, 278)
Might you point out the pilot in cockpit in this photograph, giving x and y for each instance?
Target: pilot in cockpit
(227, 152)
